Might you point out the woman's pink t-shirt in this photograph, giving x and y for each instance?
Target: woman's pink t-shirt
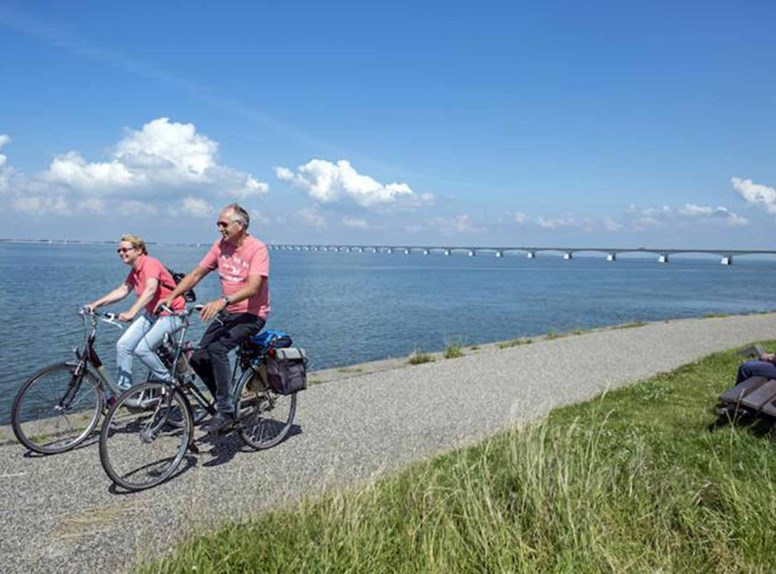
(151, 268)
(235, 265)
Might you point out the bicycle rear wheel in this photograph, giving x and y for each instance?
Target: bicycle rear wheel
(264, 417)
(145, 436)
(56, 409)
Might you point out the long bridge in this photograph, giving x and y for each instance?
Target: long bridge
(663, 255)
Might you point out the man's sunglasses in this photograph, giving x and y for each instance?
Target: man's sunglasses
(124, 249)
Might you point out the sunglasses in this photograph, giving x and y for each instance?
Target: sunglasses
(223, 224)
(124, 249)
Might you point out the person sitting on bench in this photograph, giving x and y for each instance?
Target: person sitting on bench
(765, 366)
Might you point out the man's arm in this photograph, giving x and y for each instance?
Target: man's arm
(188, 282)
(251, 288)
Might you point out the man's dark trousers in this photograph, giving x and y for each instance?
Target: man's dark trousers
(211, 360)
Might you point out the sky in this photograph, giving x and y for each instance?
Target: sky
(576, 124)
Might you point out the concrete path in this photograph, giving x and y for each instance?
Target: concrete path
(59, 513)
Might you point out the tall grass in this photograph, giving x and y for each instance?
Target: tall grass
(630, 482)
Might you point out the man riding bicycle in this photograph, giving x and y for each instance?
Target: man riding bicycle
(243, 268)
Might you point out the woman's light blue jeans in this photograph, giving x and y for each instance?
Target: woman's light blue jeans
(142, 338)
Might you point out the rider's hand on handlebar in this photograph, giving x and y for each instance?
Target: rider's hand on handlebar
(210, 310)
(126, 316)
(167, 301)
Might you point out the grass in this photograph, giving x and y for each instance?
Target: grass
(716, 315)
(419, 357)
(553, 334)
(348, 370)
(453, 351)
(515, 343)
(633, 325)
(629, 482)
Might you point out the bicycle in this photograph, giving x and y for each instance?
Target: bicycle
(59, 406)
(141, 447)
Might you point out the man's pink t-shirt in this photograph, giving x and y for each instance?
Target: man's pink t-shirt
(151, 268)
(235, 265)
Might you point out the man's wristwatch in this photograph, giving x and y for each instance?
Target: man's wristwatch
(226, 301)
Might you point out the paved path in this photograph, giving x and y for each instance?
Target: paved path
(59, 513)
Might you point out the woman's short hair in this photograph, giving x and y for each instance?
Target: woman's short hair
(136, 242)
(240, 215)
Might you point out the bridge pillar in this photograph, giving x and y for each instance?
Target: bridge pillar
(726, 260)
(447, 252)
(406, 252)
(425, 252)
(531, 255)
(471, 253)
(568, 255)
(499, 254)
(662, 258)
(611, 257)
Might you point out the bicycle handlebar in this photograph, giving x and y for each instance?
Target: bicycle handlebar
(110, 318)
(184, 313)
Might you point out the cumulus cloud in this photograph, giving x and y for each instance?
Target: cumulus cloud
(196, 206)
(159, 163)
(5, 168)
(755, 193)
(355, 222)
(556, 222)
(329, 183)
(520, 218)
(459, 224)
(664, 216)
(311, 217)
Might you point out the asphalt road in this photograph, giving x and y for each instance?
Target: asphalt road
(61, 514)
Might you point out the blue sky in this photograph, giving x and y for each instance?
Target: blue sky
(491, 123)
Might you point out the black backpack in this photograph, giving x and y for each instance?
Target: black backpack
(189, 295)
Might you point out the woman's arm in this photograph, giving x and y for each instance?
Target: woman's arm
(152, 284)
(116, 295)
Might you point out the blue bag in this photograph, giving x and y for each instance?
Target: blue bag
(271, 339)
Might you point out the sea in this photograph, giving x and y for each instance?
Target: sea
(345, 308)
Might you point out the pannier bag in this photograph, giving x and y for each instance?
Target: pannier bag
(287, 370)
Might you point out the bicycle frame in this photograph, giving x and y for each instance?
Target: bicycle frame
(89, 357)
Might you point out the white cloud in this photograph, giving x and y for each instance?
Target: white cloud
(39, 205)
(327, 182)
(5, 168)
(163, 162)
(556, 222)
(458, 224)
(137, 208)
(311, 216)
(520, 218)
(755, 193)
(196, 206)
(665, 216)
(355, 222)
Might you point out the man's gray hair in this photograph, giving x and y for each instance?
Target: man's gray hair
(239, 214)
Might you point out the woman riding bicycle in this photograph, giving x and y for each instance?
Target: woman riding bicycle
(151, 282)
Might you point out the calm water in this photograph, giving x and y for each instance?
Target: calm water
(352, 307)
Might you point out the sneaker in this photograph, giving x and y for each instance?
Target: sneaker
(219, 423)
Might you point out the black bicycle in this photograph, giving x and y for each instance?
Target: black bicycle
(58, 407)
(150, 428)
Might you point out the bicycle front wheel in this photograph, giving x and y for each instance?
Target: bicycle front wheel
(264, 417)
(145, 436)
(56, 409)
